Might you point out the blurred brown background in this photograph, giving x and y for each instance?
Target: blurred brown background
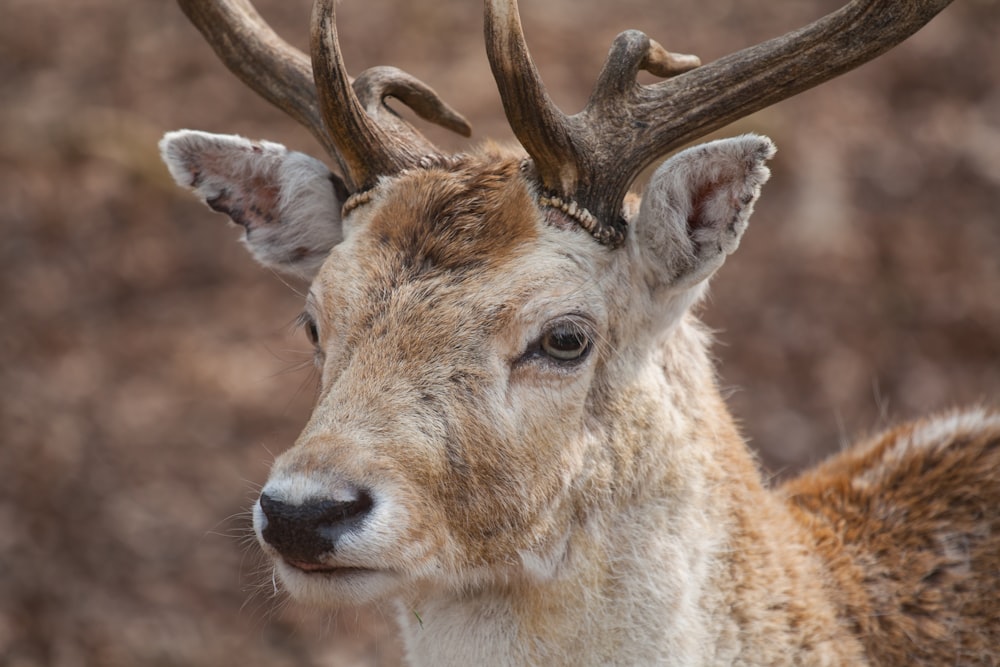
(148, 370)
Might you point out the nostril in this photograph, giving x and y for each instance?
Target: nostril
(334, 512)
(304, 532)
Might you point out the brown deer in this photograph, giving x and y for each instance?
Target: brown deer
(518, 435)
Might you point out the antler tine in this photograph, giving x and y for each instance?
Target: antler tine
(375, 84)
(537, 122)
(631, 52)
(594, 156)
(371, 139)
(318, 94)
(366, 149)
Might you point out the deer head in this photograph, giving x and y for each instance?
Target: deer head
(503, 339)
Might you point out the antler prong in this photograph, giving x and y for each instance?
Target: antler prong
(665, 64)
(376, 84)
(366, 149)
(537, 122)
(631, 52)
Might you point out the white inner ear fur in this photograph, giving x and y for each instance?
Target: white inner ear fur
(696, 208)
(285, 200)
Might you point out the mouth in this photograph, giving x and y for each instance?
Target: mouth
(333, 586)
(330, 570)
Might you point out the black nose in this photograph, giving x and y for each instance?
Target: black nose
(305, 532)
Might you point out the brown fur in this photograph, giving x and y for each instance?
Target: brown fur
(914, 540)
(462, 219)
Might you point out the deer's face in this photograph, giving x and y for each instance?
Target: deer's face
(476, 349)
(458, 336)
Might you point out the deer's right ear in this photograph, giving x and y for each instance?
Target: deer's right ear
(288, 203)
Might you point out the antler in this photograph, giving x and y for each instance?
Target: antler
(363, 135)
(592, 158)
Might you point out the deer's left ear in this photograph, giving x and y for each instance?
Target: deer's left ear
(288, 203)
(696, 207)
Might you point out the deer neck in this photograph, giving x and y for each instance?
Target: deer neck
(638, 577)
(686, 566)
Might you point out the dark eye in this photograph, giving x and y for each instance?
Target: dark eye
(312, 331)
(566, 342)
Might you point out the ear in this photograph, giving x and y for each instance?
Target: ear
(696, 208)
(288, 203)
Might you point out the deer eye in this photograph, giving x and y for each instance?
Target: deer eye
(567, 341)
(312, 330)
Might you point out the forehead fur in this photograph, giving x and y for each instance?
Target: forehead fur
(474, 212)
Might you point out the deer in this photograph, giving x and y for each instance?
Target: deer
(518, 439)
